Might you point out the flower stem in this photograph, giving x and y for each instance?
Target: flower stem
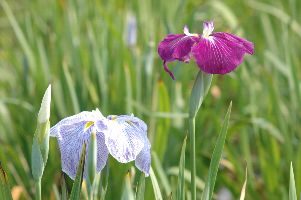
(192, 151)
(198, 93)
(38, 189)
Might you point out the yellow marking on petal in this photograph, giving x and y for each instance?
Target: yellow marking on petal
(88, 125)
(114, 117)
(130, 123)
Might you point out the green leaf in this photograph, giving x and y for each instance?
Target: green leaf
(243, 190)
(128, 193)
(37, 163)
(105, 187)
(292, 189)
(157, 192)
(76, 188)
(91, 161)
(64, 195)
(181, 178)
(4, 186)
(160, 172)
(141, 188)
(199, 91)
(162, 125)
(216, 157)
(174, 171)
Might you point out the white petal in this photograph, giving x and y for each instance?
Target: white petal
(125, 137)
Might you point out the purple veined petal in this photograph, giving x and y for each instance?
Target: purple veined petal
(124, 139)
(131, 118)
(102, 151)
(72, 137)
(71, 141)
(143, 160)
(176, 47)
(84, 116)
(221, 53)
(246, 45)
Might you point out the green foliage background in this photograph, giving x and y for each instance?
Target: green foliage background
(80, 48)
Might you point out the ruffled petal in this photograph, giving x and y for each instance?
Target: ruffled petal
(84, 116)
(71, 142)
(143, 160)
(125, 137)
(72, 132)
(242, 43)
(176, 47)
(72, 137)
(221, 53)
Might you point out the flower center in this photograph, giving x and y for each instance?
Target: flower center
(207, 29)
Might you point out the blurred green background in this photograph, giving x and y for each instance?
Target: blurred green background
(83, 48)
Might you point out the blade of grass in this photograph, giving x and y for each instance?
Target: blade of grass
(161, 174)
(76, 188)
(141, 188)
(181, 180)
(174, 171)
(128, 193)
(19, 33)
(64, 195)
(292, 189)
(4, 187)
(243, 190)
(216, 157)
(157, 191)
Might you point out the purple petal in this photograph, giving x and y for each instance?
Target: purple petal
(125, 137)
(71, 142)
(84, 116)
(176, 47)
(242, 43)
(143, 160)
(72, 132)
(221, 53)
(102, 151)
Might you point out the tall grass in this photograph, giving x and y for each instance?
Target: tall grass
(81, 48)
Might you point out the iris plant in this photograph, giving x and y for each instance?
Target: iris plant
(214, 52)
(124, 137)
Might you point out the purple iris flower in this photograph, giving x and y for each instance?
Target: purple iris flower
(215, 53)
(124, 137)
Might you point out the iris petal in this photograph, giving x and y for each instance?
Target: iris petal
(176, 47)
(221, 53)
(84, 116)
(72, 132)
(102, 151)
(71, 141)
(72, 137)
(143, 160)
(124, 139)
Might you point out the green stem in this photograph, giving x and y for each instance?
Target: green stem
(38, 189)
(192, 151)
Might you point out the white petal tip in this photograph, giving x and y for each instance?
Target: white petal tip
(44, 112)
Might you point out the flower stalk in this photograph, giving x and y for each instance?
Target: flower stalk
(92, 162)
(199, 91)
